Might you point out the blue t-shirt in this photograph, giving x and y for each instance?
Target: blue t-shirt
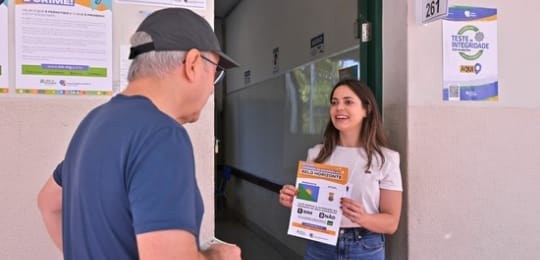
(129, 169)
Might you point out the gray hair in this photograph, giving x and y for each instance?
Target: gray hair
(152, 63)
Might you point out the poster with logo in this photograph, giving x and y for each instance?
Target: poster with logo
(316, 213)
(470, 54)
(191, 4)
(64, 47)
(4, 73)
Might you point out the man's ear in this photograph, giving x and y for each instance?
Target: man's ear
(191, 61)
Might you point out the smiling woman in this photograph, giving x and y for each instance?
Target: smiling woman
(354, 139)
(354, 121)
(346, 112)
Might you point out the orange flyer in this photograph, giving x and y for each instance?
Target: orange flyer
(316, 212)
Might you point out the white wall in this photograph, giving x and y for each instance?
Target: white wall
(34, 133)
(473, 167)
(256, 27)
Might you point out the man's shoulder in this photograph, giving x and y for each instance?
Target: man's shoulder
(132, 113)
(130, 124)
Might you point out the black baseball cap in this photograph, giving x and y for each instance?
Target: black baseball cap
(180, 29)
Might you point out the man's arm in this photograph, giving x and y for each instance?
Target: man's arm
(50, 206)
(179, 244)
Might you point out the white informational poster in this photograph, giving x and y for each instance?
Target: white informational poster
(64, 47)
(190, 4)
(316, 213)
(470, 54)
(4, 72)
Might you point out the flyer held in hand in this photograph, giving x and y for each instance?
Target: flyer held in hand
(316, 212)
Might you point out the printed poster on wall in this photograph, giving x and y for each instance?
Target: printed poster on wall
(190, 4)
(315, 212)
(64, 47)
(470, 54)
(4, 47)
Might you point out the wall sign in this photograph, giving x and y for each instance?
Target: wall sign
(317, 44)
(431, 10)
(190, 4)
(63, 47)
(247, 77)
(470, 54)
(275, 60)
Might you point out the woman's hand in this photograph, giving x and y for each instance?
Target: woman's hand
(354, 211)
(286, 195)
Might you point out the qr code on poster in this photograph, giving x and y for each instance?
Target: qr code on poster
(453, 93)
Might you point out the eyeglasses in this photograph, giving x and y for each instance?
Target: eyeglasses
(220, 71)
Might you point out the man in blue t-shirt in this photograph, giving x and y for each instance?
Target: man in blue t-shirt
(126, 188)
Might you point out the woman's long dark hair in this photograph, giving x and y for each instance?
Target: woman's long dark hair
(372, 137)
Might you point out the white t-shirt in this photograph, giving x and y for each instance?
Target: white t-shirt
(366, 186)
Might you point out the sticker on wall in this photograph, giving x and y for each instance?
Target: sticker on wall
(317, 44)
(470, 54)
(4, 74)
(275, 60)
(247, 77)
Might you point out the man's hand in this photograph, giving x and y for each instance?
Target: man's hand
(223, 251)
(180, 244)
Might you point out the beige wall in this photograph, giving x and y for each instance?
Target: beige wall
(473, 167)
(395, 107)
(473, 177)
(34, 134)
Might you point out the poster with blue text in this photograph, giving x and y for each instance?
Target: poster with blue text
(4, 47)
(64, 47)
(470, 54)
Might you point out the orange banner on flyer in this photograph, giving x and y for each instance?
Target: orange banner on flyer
(325, 231)
(332, 173)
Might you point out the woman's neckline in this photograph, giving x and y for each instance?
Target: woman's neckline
(349, 147)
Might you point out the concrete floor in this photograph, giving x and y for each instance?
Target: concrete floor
(254, 247)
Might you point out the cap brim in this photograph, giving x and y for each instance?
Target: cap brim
(226, 61)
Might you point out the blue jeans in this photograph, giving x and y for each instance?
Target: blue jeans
(353, 243)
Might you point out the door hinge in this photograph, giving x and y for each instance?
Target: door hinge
(362, 32)
(366, 32)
